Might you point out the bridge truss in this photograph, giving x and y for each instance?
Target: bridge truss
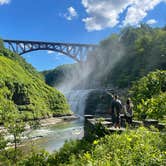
(78, 52)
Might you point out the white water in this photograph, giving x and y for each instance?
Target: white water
(53, 137)
(77, 100)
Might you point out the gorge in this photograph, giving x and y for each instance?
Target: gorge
(52, 137)
(87, 88)
(28, 96)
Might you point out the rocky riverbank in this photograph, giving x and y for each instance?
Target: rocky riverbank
(57, 120)
(42, 123)
(46, 122)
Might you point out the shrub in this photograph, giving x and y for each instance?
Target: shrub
(137, 147)
(149, 95)
(154, 107)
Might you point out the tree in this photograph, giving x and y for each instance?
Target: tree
(149, 95)
(14, 126)
(1, 44)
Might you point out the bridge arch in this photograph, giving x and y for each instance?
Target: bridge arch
(76, 51)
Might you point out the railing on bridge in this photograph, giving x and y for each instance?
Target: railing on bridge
(78, 52)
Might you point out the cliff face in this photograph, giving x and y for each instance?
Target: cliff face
(23, 89)
(98, 102)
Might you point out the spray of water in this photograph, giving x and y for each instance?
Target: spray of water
(91, 74)
(96, 69)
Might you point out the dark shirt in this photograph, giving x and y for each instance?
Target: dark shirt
(116, 106)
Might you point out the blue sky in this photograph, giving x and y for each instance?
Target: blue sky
(77, 21)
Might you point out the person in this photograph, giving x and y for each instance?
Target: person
(116, 108)
(129, 111)
(110, 100)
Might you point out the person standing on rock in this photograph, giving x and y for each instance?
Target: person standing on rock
(116, 108)
(129, 111)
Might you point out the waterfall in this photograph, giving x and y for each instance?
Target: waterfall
(77, 100)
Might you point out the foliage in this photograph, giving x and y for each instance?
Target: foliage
(14, 126)
(3, 142)
(23, 89)
(145, 48)
(1, 44)
(154, 107)
(69, 149)
(149, 95)
(151, 85)
(139, 147)
(36, 159)
(60, 74)
(121, 58)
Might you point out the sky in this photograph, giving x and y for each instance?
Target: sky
(74, 21)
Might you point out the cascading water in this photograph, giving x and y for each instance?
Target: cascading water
(53, 137)
(77, 100)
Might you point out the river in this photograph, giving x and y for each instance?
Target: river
(53, 137)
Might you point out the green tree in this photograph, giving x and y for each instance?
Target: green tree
(13, 126)
(1, 44)
(149, 95)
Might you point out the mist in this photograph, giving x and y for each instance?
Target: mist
(96, 70)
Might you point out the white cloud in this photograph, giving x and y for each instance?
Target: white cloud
(105, 13)
(2, 2)
(50, 52)
(151, 21)
(139, 10)
(71, 13)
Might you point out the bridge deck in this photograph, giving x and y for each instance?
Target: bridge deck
(76, 51)
(47, 42)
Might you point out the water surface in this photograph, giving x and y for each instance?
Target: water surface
(53, 137)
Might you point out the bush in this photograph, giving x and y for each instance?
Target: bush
(139, 147)
(147, 87)
(23, 88)
(149, 95)
(1, 44)
(154, 107)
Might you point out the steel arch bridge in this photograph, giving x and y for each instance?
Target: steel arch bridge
(78, 52)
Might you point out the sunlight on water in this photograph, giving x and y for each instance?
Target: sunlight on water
(53, 137)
